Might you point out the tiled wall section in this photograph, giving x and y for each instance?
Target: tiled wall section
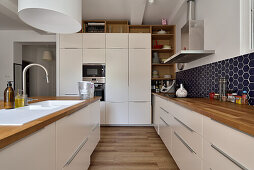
(200, 81)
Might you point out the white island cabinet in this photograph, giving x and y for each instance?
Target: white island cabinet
(66, 144)
(36, 151)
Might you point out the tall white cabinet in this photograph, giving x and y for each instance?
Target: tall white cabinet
(70, 63)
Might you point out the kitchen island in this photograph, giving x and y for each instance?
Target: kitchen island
(64, 139)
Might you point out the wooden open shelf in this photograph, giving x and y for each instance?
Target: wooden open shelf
(162, 64)
(163, 79)
(162, 50)
(117, 27)
(140, 29)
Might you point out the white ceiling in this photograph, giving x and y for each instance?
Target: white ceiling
(135, 11)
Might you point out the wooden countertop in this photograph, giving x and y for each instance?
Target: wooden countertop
(240, 117)
(11, 134)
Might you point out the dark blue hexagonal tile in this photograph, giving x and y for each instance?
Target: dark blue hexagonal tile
(240, 79)
(235, 69)
(252, 71)
(240, 58)
(240, 65)
(240, 86)
(251, 93)
(246, 68)
(251, 86)
(231, 67)
(246, 75)
(246, 82)
(251, 64)
(246, 61)
(235, 82)
(252, 78)
(240, 72)
(251, 56)
(235, 76)
(230, 86)
(231, 73)
(235, 62)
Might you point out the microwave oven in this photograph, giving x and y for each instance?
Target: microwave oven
(93, 70)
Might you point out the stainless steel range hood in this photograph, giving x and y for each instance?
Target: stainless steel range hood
(192, 39)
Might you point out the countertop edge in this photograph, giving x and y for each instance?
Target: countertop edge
(38, 124)
(237, 125)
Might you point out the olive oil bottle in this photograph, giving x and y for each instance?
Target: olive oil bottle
(9, 99)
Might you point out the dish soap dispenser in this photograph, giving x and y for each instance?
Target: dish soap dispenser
(9, 99)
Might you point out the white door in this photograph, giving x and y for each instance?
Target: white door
(117, 113)
(140, 40)
(94, 55)
(140, 113)
(103, 112)
(116, 75)
(94, 40)
(70, 71)
(36, 151)
(70, 40)
(139, 75)
(117, 40)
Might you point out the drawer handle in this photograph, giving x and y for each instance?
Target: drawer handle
(228, 157)
(164, 121)
(95, 127)
(185, 144)
(76, 152)
(187, 127)
(164, 110)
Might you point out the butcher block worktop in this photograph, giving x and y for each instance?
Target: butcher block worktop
(240, 117)
(11, 134)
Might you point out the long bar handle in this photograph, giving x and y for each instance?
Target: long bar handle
(185, 144)
(187, 127)
(228, 157)
(164, 110)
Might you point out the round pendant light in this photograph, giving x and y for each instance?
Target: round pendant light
(55, 16)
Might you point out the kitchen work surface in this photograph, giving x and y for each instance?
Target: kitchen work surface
(240, 117)
(126, 148)
(58, 109)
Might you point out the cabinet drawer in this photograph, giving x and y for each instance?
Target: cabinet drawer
(94, 40)
(184, 156)
(235, 144)
(193, 139)
(217, 159)
(117, 40)
(117, 113)
(94, 56)
(165, 133)
(140, 40)
(80, 160)
(192, 119)
(70, 40)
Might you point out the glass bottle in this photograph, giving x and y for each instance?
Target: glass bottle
(19, 99)
(222, 87)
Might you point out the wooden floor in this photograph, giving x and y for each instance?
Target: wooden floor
(124, 148)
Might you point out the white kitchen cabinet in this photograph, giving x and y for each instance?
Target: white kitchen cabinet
(81, 159)
(140, 40)
(67, 141)
(183, 154)
(139, 75)
(139, 112)
(94, 56)
(117, 40)
(116, 75)
(94, 40)
(117, 113)
(71, 40)
(36, 151)
(156, 113)
(103, 112)
(165, 133)
(234, 145)
(70, 71)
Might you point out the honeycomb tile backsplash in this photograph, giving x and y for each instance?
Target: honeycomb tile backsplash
(239, 71)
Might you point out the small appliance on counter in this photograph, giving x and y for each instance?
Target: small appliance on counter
(86, 89)
(169, 87)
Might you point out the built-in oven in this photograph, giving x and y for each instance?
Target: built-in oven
(94, 70)
(99, 86)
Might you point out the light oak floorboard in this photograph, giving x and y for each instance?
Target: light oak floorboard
(131, 148)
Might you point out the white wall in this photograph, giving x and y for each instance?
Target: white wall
(222, 29)
(7, 39)
(38, 84)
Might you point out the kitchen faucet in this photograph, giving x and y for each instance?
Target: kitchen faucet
(24, 79)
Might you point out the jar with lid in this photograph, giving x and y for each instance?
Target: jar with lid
(244, 98)
(222, 87)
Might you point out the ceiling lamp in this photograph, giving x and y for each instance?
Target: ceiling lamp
(55, 16)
